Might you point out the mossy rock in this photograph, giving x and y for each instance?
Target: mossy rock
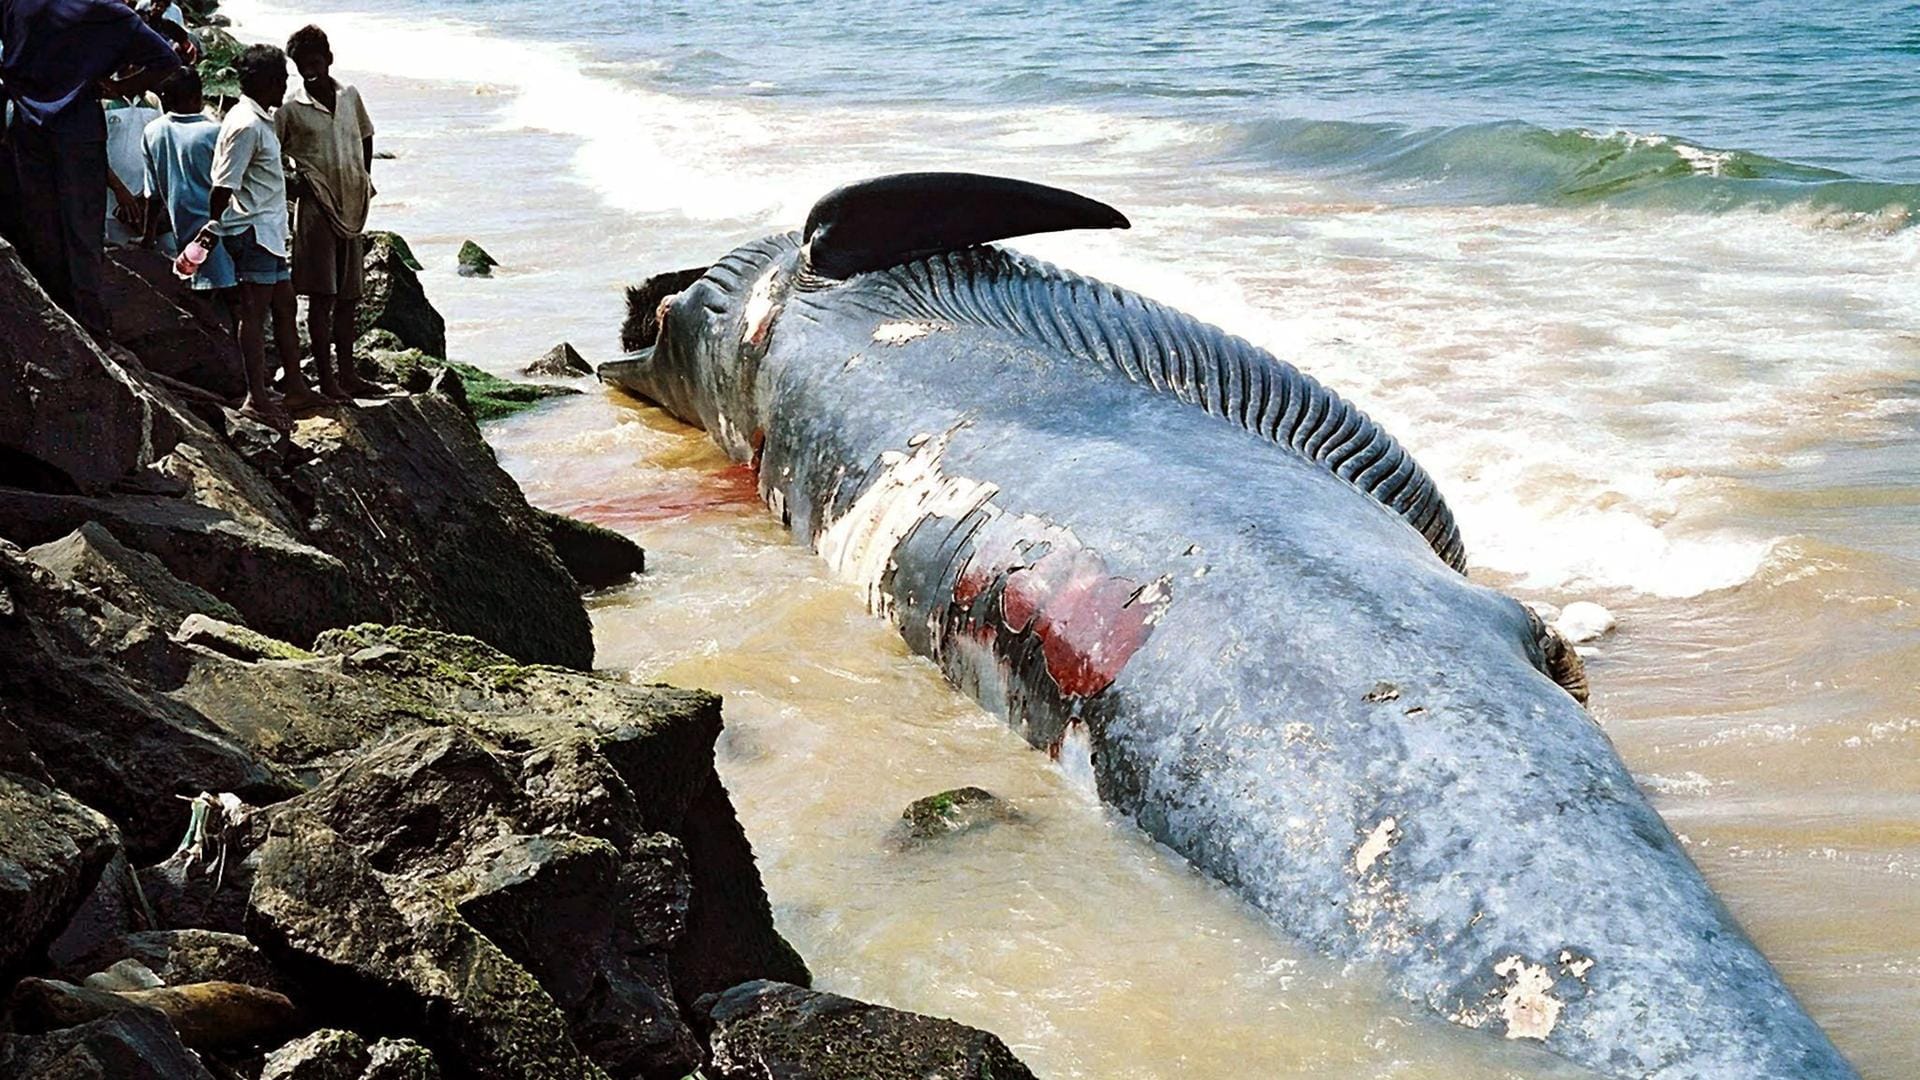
(236, 641)
(960, 810)
(474, 261)
(399, 245)
(458, 651)
(596, 556)
(489, 397)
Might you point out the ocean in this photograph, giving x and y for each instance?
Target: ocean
(1639, 284)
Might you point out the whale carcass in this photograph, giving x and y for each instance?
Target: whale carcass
(1151, 544)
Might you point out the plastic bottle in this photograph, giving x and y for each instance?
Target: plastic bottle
(191, 256)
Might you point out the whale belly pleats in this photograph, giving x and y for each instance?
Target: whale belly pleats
(1172, 353)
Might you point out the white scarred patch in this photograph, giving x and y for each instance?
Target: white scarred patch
(860, 543)
(1155, 594)
(1376, 845)
(1575, 964)
(1528, 1006)
(899, 333)
(760, 310)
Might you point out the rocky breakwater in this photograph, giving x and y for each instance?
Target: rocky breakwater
(304, 771)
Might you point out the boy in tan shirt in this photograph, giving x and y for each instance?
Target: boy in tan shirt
(326, 135)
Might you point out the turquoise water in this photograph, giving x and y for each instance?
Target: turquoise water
(1689, 104)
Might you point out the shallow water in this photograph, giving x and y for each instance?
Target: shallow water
(1707, 421)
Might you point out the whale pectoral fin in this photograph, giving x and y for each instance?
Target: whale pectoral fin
(888, 220)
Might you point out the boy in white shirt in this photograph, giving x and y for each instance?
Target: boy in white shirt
(249, 210)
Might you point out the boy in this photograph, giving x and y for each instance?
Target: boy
(326, 134)
(248, 206)
(178, 153)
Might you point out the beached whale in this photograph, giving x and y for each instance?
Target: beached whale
(1171, 556)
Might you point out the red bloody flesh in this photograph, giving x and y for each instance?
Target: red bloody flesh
(1089, 623)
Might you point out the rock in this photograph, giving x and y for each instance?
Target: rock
(103, 736)
(52, 851)
(71, 418)
(134, 581)
(327, 1054)
(1583, 621)
(393, 299)
(597, 557)
(442, 815)
(400, 1059)
(764, 1029)
(474, 261)
(235, 641)
(405, 517)
(960, 810)
(730, 937)
(488, 397)
(392, 512)
(114, 909)
(276, 582)
(189, 956)
(207, 1016)
(221, 1016)
(124, 975)
(408, 495)
(398, 243)
(562, 361)
(590, 849)
(36, 1006)
(174, 330)
(321, 909)
(130, 1045)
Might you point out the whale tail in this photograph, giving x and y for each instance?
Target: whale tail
(883, 222)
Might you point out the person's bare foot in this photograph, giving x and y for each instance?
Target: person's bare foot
(334, 392)
(267, 410)
(363, 388)
(302, 398)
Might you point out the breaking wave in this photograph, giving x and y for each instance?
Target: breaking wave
(1515, 162)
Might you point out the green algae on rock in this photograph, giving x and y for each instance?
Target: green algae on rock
(488, 396)
(965, 809)
(474, 261)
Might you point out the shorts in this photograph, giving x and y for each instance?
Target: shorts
(324, 262)
(253, 264)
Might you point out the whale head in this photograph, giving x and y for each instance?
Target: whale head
(694, 337)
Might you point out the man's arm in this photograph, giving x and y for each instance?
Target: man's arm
(368, 141)
(128, 209)
(156, 203)
(145, 50)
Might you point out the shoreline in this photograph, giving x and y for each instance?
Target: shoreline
(353, 666)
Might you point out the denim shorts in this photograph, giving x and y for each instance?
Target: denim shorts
(253, 264)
